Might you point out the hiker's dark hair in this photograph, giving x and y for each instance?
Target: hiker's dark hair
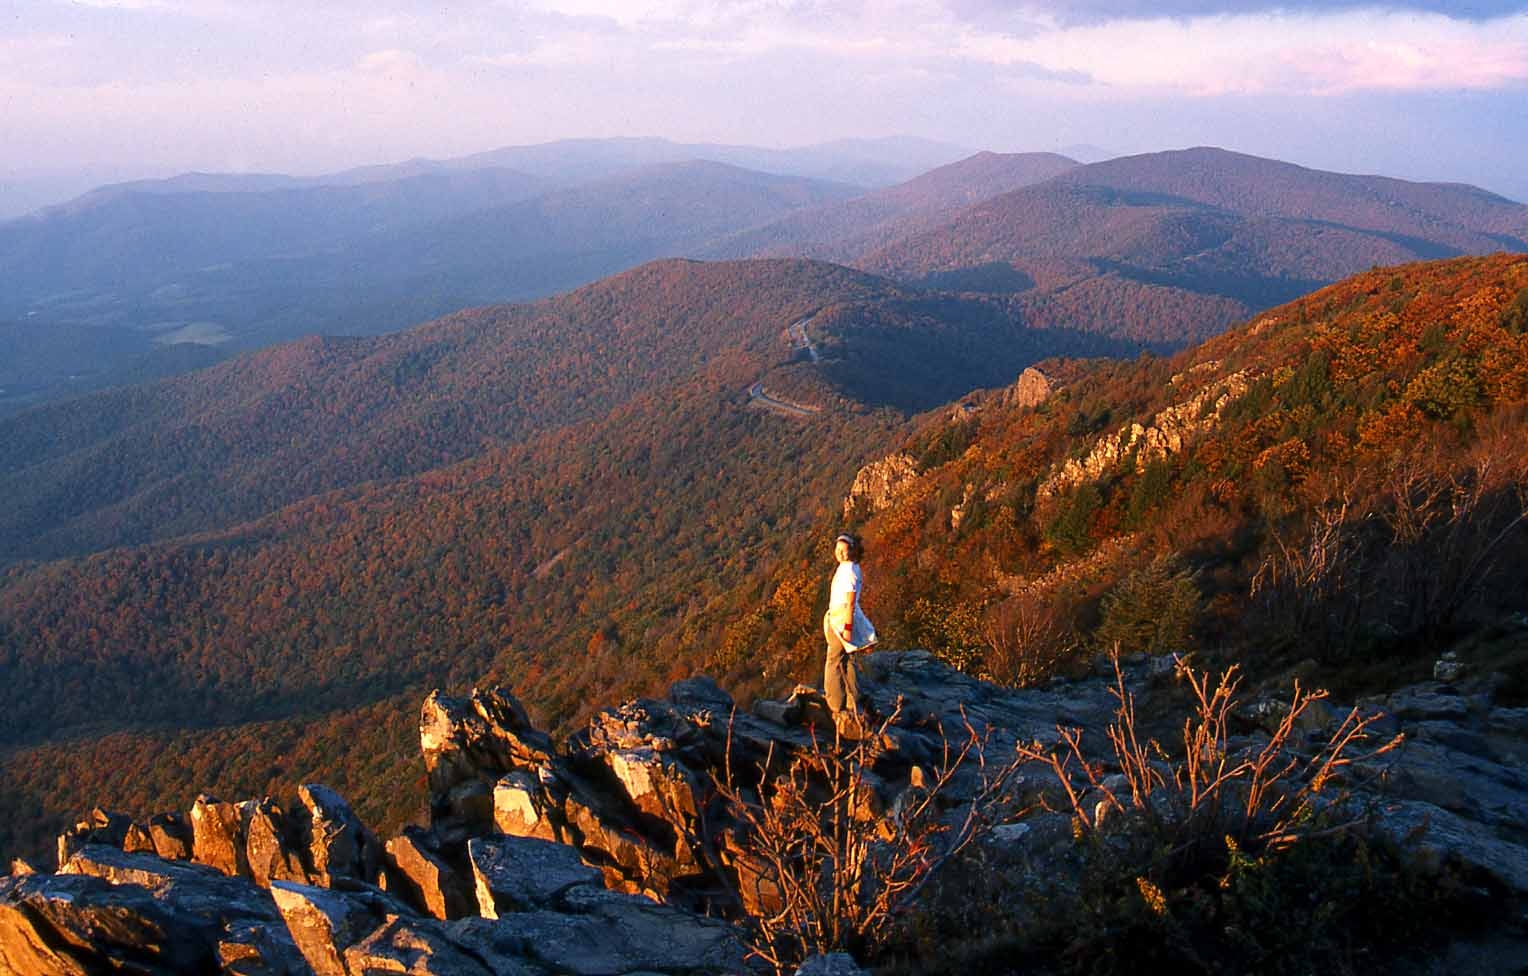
(856, 546)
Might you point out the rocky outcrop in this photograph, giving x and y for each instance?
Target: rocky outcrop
(1167, 433)
(1032, 389)
(591, 858)
(879, 483)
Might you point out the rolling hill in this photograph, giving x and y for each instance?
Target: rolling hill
(844, 231)
(1204, 235)
(233, 271)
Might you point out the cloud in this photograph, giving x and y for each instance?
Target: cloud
(1278, 53)
(1098, 11)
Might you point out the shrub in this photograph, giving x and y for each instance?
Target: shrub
(832, 871)
(1069, 530)
(1153, 609)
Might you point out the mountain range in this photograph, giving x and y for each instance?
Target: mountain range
(149, 279)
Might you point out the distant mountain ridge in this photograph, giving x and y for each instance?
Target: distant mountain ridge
(870, 162)
(1165, 248)
(843, 231)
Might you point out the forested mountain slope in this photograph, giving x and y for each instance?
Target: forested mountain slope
(1201, 236)
(1158, 504)
(248, 436)
(1338, 486)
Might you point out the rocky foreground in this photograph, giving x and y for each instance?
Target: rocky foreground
(614, 853)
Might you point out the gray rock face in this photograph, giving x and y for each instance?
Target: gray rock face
(834, 963)
(97, 827)
(339, 844)
(270, 846)
(74, 924)
(516, 874)
(536, 859)
(605, 932)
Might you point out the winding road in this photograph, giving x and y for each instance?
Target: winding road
(760, 398)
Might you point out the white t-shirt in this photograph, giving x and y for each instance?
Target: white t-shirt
(847, 579)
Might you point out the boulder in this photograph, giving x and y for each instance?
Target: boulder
(323, 923)
(342, 933)
(1438, 838)
(514, 874)
(428, 882)
(833, 963)
(483, 737)
(1032, 389)
(171, 836)
(218, 834)
(520, 807)
(97, 827)
(603, 932)
(68, 924)
(269, 846)
(249, 929)
(656, 784)
(339, 845)
(880, 483)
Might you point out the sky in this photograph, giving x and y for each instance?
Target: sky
(97, 90)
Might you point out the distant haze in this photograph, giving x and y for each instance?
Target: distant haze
(103, 90)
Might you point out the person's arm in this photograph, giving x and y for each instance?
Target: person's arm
(849, 621)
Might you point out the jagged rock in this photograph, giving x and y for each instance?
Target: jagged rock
(757, 885)
(514, 874)
(700, 690)
(138, 839)
(362, 931)
(339, 844)
(605, 933)
(1439, 837)
(218, 834)
(1032, 389)
(471, 804)
(250, 929)
(67, 924)
(429, 882)
(655, 783)
(1427, 702)
(630, 861)
(323, 923)
(479, 739)
(1448, 668)
(1166, 434)
(879, 483)
(519, 807)
(20, 866)
(269, 849)
(403, 945)
(832, 964)
(171, 836)
(98, 827)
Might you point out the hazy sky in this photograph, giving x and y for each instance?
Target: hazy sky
(1422, 89)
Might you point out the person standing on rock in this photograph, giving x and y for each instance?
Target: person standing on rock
(848, 631)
